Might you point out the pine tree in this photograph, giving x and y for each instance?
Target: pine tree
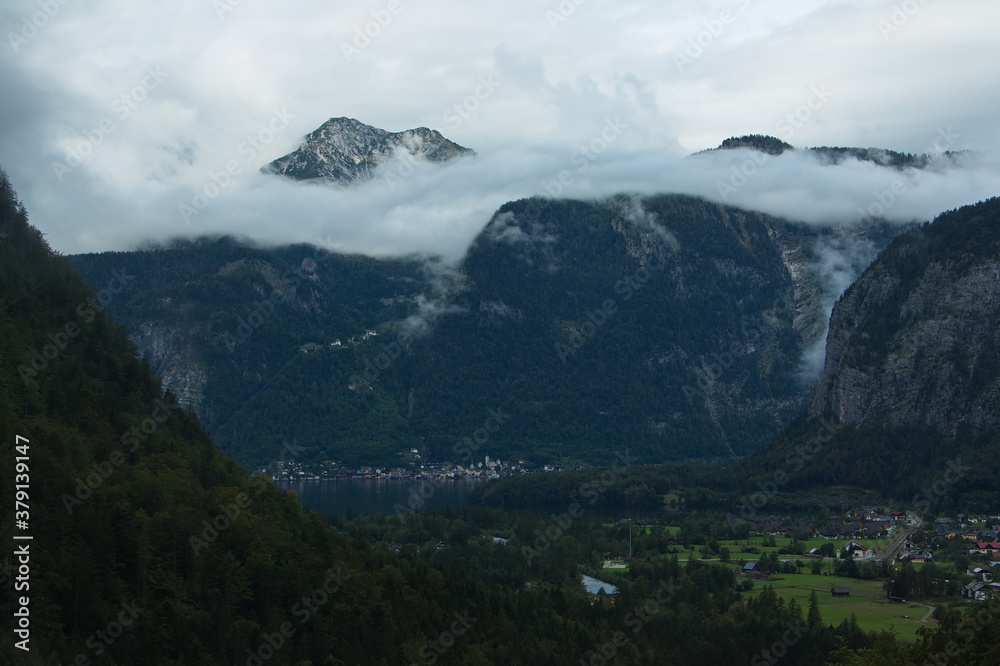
(814, 619)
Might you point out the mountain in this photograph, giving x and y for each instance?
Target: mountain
(149, 547)
(836, 155)
(344, 151)
(911, 384)
(760, 142)
(669, 326)
(247, 336)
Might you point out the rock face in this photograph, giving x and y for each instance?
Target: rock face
(344, 151)
(669, 325)
(915, 341)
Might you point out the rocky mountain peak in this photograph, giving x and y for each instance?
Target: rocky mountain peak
(345, 151)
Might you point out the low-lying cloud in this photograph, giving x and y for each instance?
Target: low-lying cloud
(439, 209)
(161, 117)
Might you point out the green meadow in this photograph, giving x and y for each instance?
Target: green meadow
(867, 601)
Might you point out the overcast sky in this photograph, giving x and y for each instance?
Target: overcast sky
(115, 116)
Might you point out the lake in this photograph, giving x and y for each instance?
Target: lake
(338, 496)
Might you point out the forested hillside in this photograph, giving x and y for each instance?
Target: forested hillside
(669, 327)
(149, 547)
(911, 384)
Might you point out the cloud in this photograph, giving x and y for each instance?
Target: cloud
(591, 106)
(445, 283)
(647, 221)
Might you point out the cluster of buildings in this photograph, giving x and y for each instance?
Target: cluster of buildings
(486, 469)
(863, 524)
(984, 585)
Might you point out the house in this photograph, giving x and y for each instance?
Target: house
(749, 567)
(975, 590)
(859, 552)
(840, 591)
(982, 573)
(986, 548)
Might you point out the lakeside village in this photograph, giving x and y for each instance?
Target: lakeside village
(968, 544)
(487, 469)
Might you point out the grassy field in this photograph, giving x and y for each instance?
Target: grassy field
(873, 612)
(738, 548)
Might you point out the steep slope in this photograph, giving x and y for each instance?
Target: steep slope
(244, 335)
(149, 547)
(668, 327)
(344, 151)
(911, 385)
(915, 342)
(672, 324)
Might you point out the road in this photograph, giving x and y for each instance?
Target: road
(891, 549)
